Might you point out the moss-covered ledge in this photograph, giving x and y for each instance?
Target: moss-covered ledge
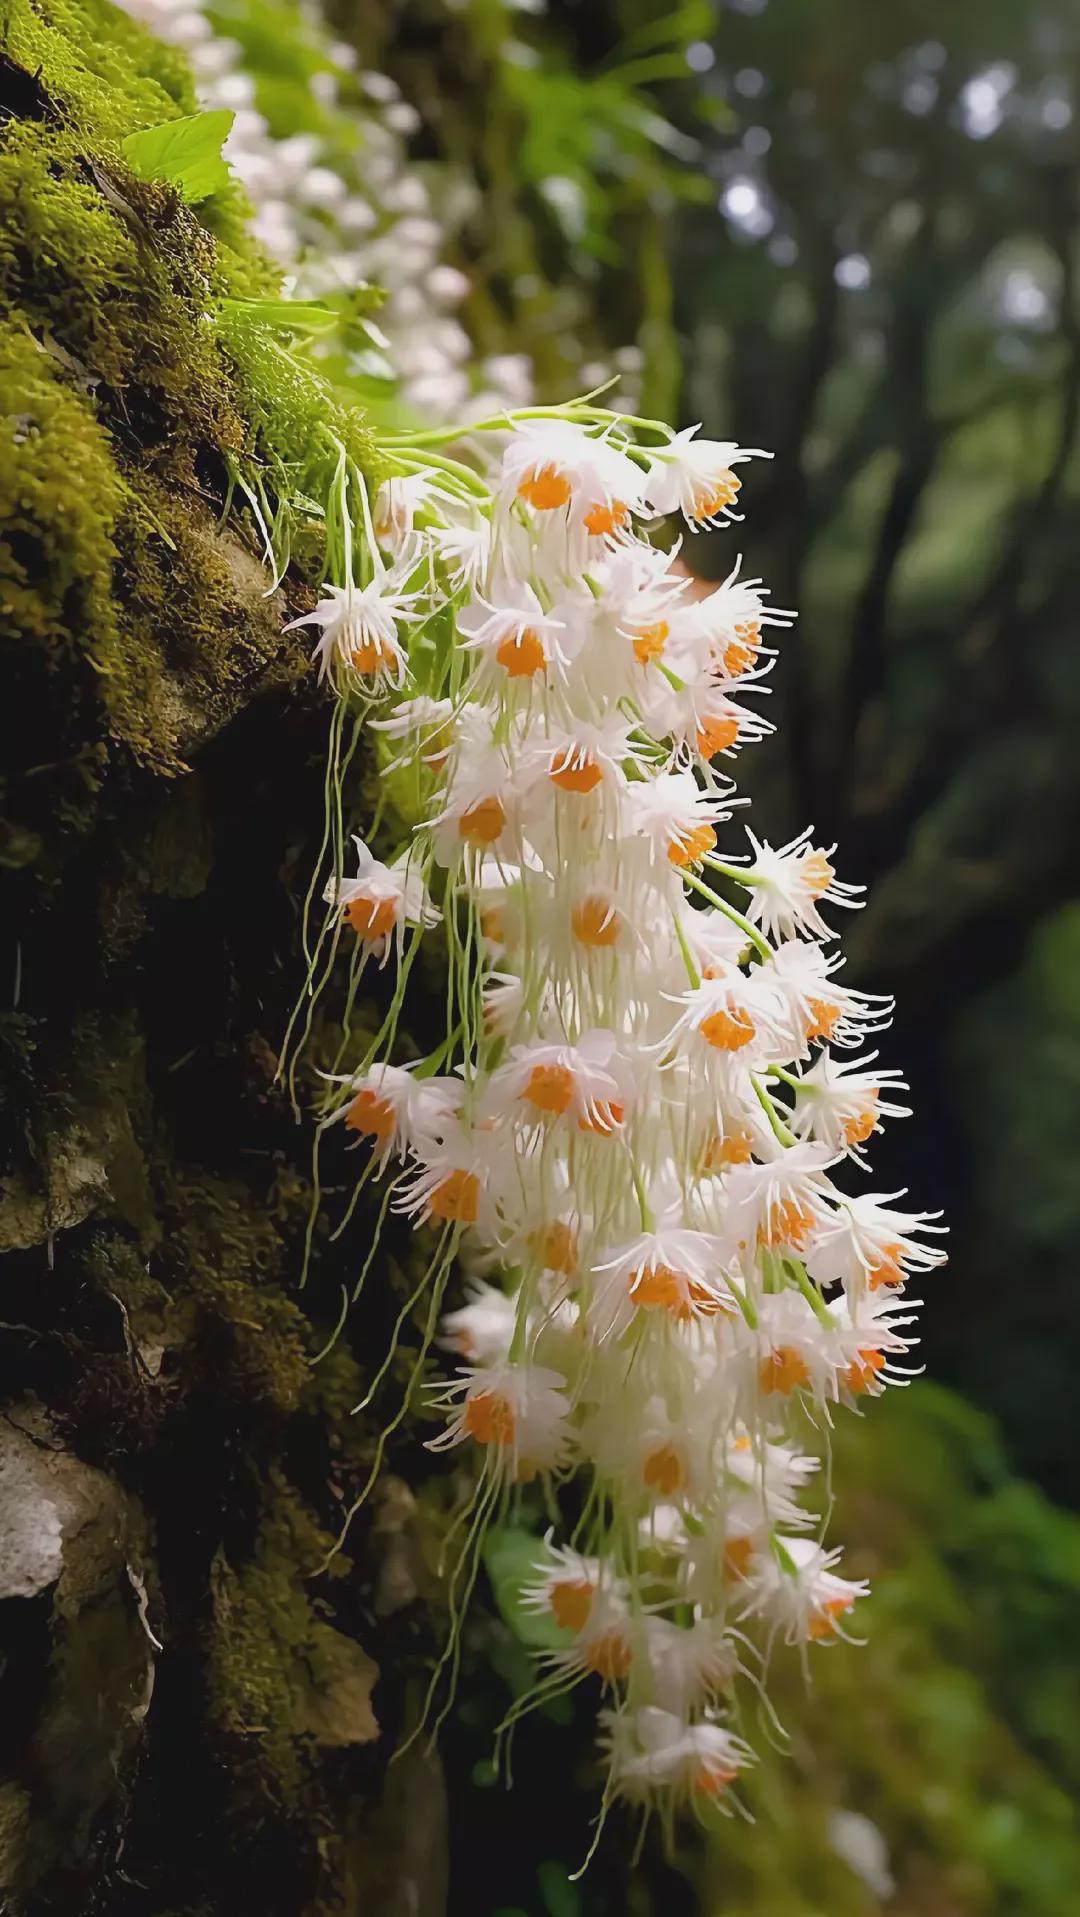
(190, 1723)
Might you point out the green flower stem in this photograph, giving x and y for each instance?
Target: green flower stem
(761, 945)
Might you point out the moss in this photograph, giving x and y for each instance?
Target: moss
(133, 620)
(275, 1666)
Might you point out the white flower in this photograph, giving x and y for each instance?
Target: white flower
(867, 1241)
(358, 642)
(695, 477)
(842, 1106)
(396, 1110)
(379, 900)
(800, 1593)
(656, 1753)
(589, 1084)
(787, 885)
(519, 1412)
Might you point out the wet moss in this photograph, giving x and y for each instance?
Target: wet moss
(270, 1650)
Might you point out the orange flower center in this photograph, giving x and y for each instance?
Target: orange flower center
(371, 918)
(858, 1128)
(783, 1371)
(691, 845)
(603, 518)
(457, 1198)
(787, 1223)
(658, 1288)
(859, 1376)
(370, 654)
(575, 775)
(824, 1620)
(712, 1779)
(738, 1556)
(823, 1020)
(371, 1115)
(595, 922)
(740, 652)
(816, 874)
(714, 495)
(571, 1601)
(664, 1469)
(489, 1418)
(550, 1088)
(716, 735)
(649, 642)
(609, 1656)
(604, 1115)
(557, 1245)
(735, 1148)
(522, 654)
(546, 488)
(482, 822)
(727, 1031)
(888, 1270)
(493, 924)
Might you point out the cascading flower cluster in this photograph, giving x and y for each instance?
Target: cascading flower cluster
(645, 1131)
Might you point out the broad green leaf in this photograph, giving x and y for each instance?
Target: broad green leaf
(511, 1557)
(185, 152)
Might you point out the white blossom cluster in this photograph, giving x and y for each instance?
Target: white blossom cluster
(646, 1128)
(332, 233)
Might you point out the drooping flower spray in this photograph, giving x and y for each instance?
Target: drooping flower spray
(645, 1130)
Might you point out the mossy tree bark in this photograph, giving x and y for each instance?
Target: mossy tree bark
(190, 1715)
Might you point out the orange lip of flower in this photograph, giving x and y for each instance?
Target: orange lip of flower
(608, 1656)
(649, 642)
(740, 652)
(604, 1115)
(594, 921)
(370, 655)
(738, 1556)
(859, 1127)
(371, 918)
(727, 1031)
(550, 1088)
(783, 1371)
(816, 874)
(712, 1780)
(735, 1148)
(823, 1621)
(522, 654)
(715, 495)
(371, 1115)
(692, 845)
(716, 735)
(482, 822)
(602, 518)
(823, 1020)
(557, 1245)
(489, 1418)
(664, 1470)
(457, 1199)
(659, 1288)
(570, 1601)
(787, 1223)
(546, 488)
(569, 776)
(859, 1376)
(888, 1270)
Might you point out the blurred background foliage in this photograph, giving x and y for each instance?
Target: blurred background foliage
(848, 233)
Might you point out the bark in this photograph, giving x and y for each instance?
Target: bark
(194, 1698)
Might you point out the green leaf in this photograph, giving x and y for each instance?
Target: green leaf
(185, 152)
(511, 1558)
